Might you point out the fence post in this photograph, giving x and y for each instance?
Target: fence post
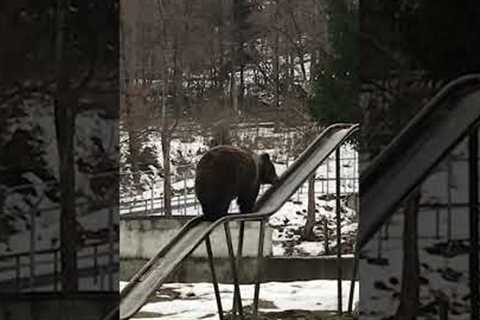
(328, 175)
(17, 272)
(178, 203)
(352, 282)
(111, 249)
(355, 171)
(152, 195)
(55, 270)
(95, 264)
(102, 278)
(474, 237)
(449, 198)
(185, 192)
(32, 249)
(339, 230)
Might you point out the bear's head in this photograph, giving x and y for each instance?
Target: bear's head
(266, 170)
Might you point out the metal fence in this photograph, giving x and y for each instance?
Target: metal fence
(38, 268)
(184, 201)
(27, 271)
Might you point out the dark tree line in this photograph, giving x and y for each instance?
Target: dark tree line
(60, 56)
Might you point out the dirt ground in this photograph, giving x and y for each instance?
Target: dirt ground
(280, 315)
(296, 315)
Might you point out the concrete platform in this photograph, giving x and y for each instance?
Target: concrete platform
(48, 306)
(282, 269)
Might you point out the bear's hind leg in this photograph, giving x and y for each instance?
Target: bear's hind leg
(247, 197)
(213, 212)
(246, 204)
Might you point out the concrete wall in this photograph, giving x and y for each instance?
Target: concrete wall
(142, 237)
(275, 269)
(48, 306)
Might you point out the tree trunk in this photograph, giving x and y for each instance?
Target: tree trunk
(326, 237)
(310, 223)
(64, 110)
(276, 70)
(167, 183)
(241, 90)
(233, 92)
(127, 92)
(409, 294)
(133, 141)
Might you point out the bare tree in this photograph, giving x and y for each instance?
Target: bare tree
(212, 59)
(308, 233)
(64, 107)
(409, 294)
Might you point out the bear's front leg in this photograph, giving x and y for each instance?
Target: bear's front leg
(246, 200)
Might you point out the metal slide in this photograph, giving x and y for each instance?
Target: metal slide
(410, 157)
(154, 273)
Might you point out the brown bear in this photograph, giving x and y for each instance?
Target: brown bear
(225, 173)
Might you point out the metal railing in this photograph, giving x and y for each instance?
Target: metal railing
(26, 278)
(184, 202)
(34, 268)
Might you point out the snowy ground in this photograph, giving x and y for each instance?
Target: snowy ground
(289, 221)
(187, 301)
(443, 259)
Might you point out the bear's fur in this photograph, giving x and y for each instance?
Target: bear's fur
(225, 173)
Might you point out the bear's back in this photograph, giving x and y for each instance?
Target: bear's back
(225, 169)
(226, 159)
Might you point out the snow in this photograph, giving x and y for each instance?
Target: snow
(183, 301)
(289, 221)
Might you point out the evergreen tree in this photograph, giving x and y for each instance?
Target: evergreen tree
(443, 37)
(335, 88)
